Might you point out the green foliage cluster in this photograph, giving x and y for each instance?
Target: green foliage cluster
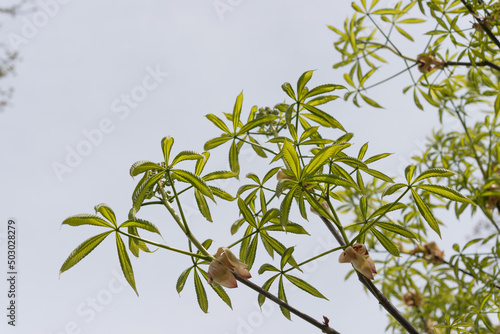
(318, 167)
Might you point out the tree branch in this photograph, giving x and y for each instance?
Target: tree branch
(383, 300)
(480, 63)
(323, 326)
(485, 27)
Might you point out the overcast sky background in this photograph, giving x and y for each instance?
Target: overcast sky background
(76, 68)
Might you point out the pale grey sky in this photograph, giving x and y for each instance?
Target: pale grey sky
(138, 71)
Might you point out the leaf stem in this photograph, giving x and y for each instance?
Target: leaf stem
(173, 249)
(182, 224)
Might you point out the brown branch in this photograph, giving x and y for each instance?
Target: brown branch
(323, 326)
(383, 300)
(480, 63)
(485, 27)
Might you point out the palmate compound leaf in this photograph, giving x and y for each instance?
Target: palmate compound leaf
(125, 263)
(83, 250)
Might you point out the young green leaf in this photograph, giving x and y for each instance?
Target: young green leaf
(141, 223)
(287, 88)
(83, 250)
(261, 298)
(426, 212)
(302, 82)
(396, 228)
(323, 89)
(140, 192)
(219, 175)
(195, 180)
(387, 208)
(202, 205)
(143, 166)
(386, 242)
(292, 159)
(237, 111)
(246, 212)
(303, 285)
(322, 100)
(331, 179)
(392, 189)
(285, 207)
(329, 119)
(181, 281)
(125, 263)
(186, 155)
(166, 146)
(255, 123)
(433, 172)
(233, 158)
(86, 219)
(251, 252)
(218, 123)
(321, 158)
(214, 142)
(222, 194)
(443, 191)
(201, 294)
(287, 254)
(282, 296)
